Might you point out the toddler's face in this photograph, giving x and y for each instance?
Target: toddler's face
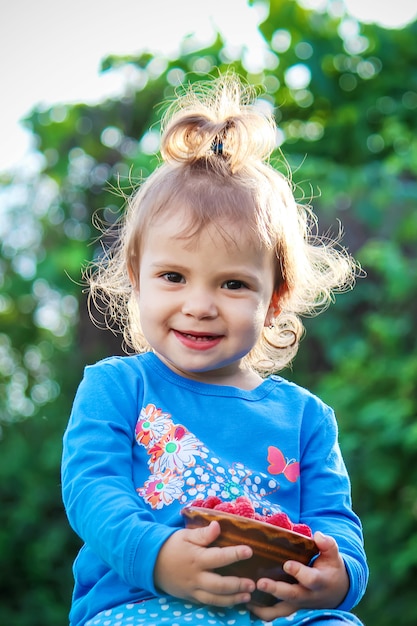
(203, 301)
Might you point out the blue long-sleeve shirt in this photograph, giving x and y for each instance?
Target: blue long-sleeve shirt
(142, 442)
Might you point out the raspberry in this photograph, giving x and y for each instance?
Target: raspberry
(244, 507)
(226, 507)
(280, 519)
(303, 529)
(259, 517)
(199, 503)
(210, 502)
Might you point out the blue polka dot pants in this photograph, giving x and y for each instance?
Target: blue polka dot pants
(172, 612)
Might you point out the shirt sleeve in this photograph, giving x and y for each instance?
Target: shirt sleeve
(97, 485)
(326, 503)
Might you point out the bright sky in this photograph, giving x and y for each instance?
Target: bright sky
(50, 51)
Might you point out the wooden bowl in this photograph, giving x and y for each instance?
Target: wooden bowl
(271, 546)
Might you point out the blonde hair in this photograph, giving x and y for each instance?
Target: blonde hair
(215, 149)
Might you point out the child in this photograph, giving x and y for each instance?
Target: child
(215, 264)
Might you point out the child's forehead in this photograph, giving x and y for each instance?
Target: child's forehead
(185, 226)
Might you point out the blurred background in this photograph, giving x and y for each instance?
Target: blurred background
(86, 81)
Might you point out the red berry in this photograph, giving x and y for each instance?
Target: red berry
(244, 507)
(280, 519)
(226, 507)
(199, 503)
(303, 529)
(210, 502)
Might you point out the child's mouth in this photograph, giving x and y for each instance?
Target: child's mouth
(200, 337)
(198, 341)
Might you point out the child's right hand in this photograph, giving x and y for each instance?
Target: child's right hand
(185, 564)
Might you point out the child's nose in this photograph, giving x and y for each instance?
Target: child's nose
(200, 304)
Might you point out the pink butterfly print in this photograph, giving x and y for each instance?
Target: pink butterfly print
(280, 465)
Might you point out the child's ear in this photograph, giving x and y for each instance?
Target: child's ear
(274, 309)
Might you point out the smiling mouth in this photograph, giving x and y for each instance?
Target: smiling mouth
(198, 340)
(194, 337)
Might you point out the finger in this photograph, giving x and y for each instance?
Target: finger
(269, 613)
(205, 535)
(217, 557)
(306, 593)
(224, 590)
(280, 590)
(327, 545)
(306, 576)
(221, 557)
(204, 597)
(228, 585)
(295, 595)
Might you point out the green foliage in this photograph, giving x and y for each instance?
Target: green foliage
(349, 134)
(35, 545)
(362, 359)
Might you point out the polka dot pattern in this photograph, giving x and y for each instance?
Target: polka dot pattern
(168, 611)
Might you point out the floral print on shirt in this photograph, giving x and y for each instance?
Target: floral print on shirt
(183, 469)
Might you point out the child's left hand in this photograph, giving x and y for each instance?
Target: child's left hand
(322, 586)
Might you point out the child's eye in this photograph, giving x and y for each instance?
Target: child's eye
(173, 277)
(234, 284)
